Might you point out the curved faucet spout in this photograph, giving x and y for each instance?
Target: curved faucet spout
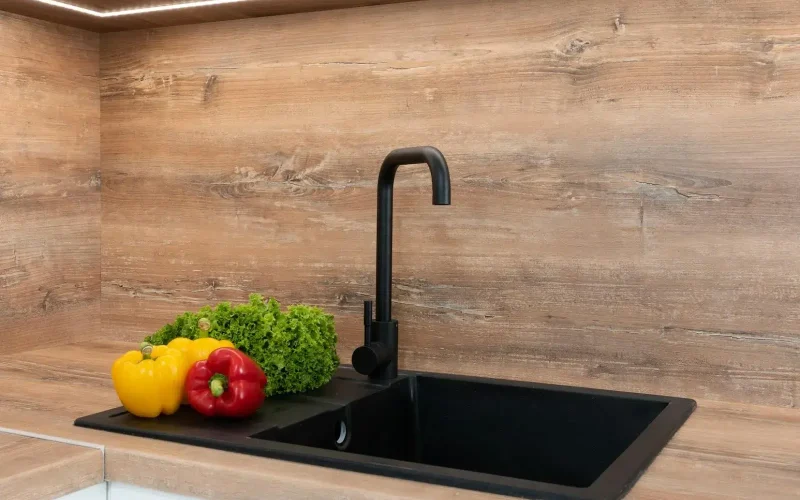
(378, 356)
(440, 177)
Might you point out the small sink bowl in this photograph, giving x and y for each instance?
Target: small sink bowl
(522, 439)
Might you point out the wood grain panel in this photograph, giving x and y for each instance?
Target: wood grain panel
(49, 183)
(724, 450)
(33, 469)
(36, 10)
(624, 184)
(222, 12)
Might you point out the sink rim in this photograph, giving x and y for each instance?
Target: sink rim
(613, 482)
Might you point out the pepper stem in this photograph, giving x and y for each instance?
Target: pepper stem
(204, 325)
(147, 350)
(218, 383)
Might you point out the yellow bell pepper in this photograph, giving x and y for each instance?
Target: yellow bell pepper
(197, 350)
(150, 382)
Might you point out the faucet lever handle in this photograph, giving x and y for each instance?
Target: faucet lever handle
(367, 322)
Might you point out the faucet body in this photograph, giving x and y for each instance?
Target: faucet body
(378, 356)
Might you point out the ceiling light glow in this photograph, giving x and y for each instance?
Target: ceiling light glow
(138, 10)
(63, 5)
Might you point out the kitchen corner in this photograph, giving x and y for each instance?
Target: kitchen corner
(607, 307)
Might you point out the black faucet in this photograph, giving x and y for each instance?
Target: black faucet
(378, 356)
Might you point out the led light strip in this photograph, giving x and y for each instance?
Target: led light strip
(138, 10)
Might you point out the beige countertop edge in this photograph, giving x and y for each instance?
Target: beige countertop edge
(724, 450)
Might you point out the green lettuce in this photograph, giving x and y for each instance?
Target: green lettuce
(296, 348)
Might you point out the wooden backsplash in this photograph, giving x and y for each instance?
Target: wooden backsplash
(625, 183)
(49, 183)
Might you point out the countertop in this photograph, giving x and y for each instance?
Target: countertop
(725, 450)
(32, 469)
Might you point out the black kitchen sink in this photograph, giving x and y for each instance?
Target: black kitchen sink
(522, 439)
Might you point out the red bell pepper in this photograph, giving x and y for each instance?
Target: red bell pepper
(227, 384)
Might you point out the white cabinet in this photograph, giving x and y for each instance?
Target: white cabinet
(96, 492)
(122, 491)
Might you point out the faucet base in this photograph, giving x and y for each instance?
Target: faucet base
(385, 333)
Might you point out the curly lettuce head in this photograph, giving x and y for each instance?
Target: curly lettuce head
(296, 348)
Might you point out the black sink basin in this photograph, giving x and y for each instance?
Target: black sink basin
(521, 439)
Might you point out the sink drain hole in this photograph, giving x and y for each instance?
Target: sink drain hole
(341, 439)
